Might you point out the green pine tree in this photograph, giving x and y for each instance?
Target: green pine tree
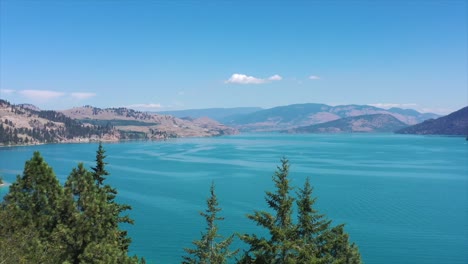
(43, 222)
(29, 214)
(211, 248)
(310, 227)
(310, 240)
(99, 174)
(87, 221)
(280, 247)
(317, 240)
(34, 198)
(337, 248)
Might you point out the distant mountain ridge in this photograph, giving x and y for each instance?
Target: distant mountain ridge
(375, 123)
(217, 114)
(298, 115)
(455, 123)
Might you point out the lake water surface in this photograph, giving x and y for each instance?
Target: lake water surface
(404, 199)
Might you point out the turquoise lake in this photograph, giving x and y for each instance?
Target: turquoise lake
(404, 199)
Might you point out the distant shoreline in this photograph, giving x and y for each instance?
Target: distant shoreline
(126, 140)
(64, 142)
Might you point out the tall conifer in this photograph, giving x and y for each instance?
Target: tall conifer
(210, 249)
(280, 246)
(34, 198)
(100, 174)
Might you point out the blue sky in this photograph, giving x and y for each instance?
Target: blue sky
(166, 55)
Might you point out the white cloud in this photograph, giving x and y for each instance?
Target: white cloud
(180, 93)
(244, 79)
(81, 96)
(6, 91)
(41, 95)
(145, 106)
(239, 78)
(275, 77)
(390, 105)
(314, 77)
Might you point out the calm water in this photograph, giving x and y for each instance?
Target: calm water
(404, 199)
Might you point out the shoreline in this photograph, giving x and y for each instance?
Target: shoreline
(126, 140)
(63, 142)
(104, 141)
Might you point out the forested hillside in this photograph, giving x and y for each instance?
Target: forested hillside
(141, 125)
(21, 124)
(26, 124)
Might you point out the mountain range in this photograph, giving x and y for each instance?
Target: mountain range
(298, 115)
(218, 114)
(26, 124)
(455, 124)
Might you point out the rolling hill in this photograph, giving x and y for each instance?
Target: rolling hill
(135, 124)
(27, 124)
(22, 124)
(362, 124)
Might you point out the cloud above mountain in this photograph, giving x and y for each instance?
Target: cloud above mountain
(390, 105)
(41, 95)
(145, 106)
(81, 96)
(239, 78)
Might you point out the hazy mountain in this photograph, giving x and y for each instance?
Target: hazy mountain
(455, 123)
(297, 115)
(420, 117)
(363, 123)
(218, 114)
(136, 124)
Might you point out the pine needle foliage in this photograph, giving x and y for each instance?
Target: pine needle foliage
(311, 239)
(211, 248)
(44, 222)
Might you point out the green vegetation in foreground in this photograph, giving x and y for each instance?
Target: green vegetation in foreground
(310, 240)
(42, 221)
(210, 248)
